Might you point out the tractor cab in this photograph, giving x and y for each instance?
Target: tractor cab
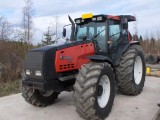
(109, 33)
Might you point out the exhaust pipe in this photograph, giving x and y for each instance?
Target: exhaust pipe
(72, 28)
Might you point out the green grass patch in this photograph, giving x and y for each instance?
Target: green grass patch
(9, 88)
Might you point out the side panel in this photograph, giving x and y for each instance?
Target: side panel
(73, 57)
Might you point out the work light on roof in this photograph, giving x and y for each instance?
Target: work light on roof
(94, 19)
(86, 16)
(78, 21)
(99, 18)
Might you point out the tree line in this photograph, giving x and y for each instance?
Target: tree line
(150, 44)
(17, 39)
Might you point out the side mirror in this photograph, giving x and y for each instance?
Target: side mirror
(124, 23)
(64, 32)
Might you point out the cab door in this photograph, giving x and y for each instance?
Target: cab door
(118, 39)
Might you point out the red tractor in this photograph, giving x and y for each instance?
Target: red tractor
(100, 56)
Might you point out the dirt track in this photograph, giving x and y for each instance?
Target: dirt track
(142, 107)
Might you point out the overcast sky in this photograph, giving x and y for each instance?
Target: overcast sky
(146, 11)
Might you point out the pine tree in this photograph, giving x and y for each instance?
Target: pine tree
(48, 38)
(140, 38)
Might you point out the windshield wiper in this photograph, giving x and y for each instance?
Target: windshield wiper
(115, 34)
(97, 34)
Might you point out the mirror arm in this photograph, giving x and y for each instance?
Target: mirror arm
(64, 28)
(67, 25)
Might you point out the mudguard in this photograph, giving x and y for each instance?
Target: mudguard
(100, 58)
(120, 52)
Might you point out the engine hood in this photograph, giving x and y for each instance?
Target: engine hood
(59, 46)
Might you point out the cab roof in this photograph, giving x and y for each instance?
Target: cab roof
(130, 18)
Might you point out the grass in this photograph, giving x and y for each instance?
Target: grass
(9, 88)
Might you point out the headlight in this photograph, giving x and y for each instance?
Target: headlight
(38, 73)
(28, 72)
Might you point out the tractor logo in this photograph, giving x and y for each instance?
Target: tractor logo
(68, 58)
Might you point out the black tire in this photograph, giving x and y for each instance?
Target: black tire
(35, 97)
(152, 59)
(125, 71)
(86, 91)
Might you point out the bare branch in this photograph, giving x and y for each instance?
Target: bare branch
(27, 21)
(6, 29)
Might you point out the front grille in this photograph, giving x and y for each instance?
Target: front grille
(34, 60)
(66, 66)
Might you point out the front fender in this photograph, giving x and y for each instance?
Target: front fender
(100, 58)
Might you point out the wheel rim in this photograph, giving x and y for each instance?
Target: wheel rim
(47, 93)
(103, 98)
(138, 70)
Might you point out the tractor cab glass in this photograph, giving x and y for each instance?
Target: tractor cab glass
(93, 30)
(90, 30)
(114, 33)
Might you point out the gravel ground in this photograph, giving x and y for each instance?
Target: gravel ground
(141, 107)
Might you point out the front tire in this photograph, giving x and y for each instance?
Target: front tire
(130, 72)
(38, 98)
(94, 91)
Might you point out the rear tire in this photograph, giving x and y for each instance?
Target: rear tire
(38, 98)
(130, 72)
(94, 91)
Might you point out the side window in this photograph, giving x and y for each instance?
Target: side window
(125, 36)
(81, 32)
(114, 33)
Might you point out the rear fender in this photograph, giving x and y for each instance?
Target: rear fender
(128, 45)
(122, 51)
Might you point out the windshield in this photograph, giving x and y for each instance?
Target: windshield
(89, 30)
